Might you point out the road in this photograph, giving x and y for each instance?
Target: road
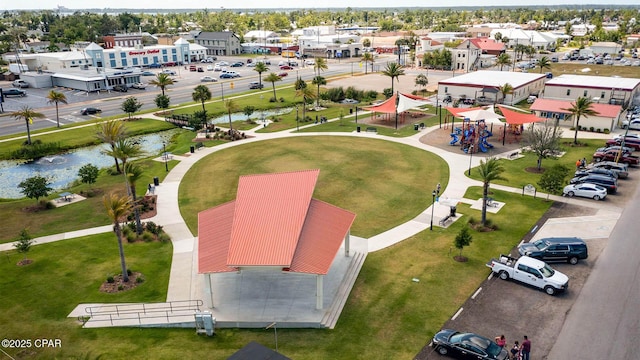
(180, 93)
(604, 322)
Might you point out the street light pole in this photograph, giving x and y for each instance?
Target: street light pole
(297, 122)
(164, 153)
(470, 157)
(433, 205)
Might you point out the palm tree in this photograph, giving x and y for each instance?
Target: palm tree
(202, 93)
(544, 63)
(272, 78)
(260, 68)
(307, 93)
(320, 65)
(582, 107)
(109, 132)
(162, 80)
(118, 207)
(367, 58)
(231, 106)
(393, 70)
(54, 97)
(318, 81)
(133, 173)
(506, 89)
(503, 59)
(28, 115)
(489, 170)
(125, 149)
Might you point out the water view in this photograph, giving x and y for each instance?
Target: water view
(62, 170)
(256, 116)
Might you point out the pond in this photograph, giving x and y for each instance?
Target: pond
(62, 170)
(257, 115)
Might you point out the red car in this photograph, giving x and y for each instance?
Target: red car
(283, 74)
(285, 67)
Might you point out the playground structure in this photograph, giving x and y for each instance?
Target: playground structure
(472, 136)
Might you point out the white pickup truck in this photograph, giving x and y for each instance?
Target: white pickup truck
(530, 271)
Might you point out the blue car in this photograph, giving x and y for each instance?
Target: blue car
(148, 73)
(155, 66)
(229, 75)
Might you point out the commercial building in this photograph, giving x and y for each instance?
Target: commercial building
(601, 89)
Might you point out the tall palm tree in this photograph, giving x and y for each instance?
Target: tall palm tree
(393, 70)
(118, 207)
(202, 94)
(320, 65)
(28, 115)
(506, 89)
(125, 149)
(109, 132)
(272, 78)
(260, 68)
(318, 81)
(582, 107)
(544, 63)
(489, 170)
(231, 106)
(54, 97)
(307, 93)
(134, 173)
(367, 58)
(503, 59)
(162, 80)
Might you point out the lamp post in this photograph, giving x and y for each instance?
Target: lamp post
(356, 115)
(222, 90)
(297, 122)
(433, 205)
(470, 157)
(164, 153)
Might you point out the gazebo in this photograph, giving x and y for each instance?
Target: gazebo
(516, 120)
(397, 105)
(274, 226)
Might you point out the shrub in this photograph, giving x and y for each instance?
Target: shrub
(598, 130)
(164, 237)
(132, 237)
(120, 287)
(371, 94)
(606, 131)
(387, 92)
(49, 205)
(471, 220)
(139, 279)
(272, 99)
(129, 272)
(591, 129)
(147, 236)
(153, 227)
(281, 99)
(110, 279)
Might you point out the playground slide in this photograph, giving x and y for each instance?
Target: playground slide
(454, 139)
(481, 145)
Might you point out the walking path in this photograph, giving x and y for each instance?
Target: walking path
(186, 284)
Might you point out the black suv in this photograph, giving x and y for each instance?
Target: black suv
(607, 182)
(570, 249)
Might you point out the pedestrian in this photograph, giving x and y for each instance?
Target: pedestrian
(515, 350)
(525, 349)
(583, 163)
(578, 162)
(501, 341)
(150, 189)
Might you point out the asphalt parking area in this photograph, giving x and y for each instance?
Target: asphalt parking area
(513, 309)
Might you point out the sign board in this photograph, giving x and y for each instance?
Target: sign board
(529, 189)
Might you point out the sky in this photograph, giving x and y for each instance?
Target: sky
(256, 4)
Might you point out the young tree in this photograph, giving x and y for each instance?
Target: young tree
(35, 187)
(394, 71)
(299, 84)
(582, 107)
(131, 105)
(88, 174)
(248, 110)
(231, 106)
(28, 115)
(23, 244)
(543, 139)
(202, 94)
(462, 239)
(552, 180)
(118, 207)
(272, 78)
(109, 132)
(490, 170)
(54, 97)
(422, 81)
(162, 80)
(162, 101)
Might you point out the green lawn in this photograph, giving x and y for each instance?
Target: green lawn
(382, 182)
(387, 315)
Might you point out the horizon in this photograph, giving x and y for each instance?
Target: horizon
(331, 5)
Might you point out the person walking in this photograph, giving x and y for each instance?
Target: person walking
(515, 351)
(525, 349)
(501, 341)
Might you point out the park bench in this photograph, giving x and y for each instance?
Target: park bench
(514, 155)
(444, 220)
(199, 145)
(372, 129)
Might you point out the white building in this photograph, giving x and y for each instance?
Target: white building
(325, 41)
(602, 89)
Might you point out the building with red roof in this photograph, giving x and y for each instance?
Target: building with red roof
(607, 115)
(273, 227)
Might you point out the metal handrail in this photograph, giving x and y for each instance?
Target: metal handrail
(142, 308)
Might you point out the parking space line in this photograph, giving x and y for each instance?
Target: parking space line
(490, 276)
(476, 293)
(457, 313)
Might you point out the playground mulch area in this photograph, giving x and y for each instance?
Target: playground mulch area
(441, 138)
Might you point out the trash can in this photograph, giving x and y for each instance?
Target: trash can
(156, 181)
(192, 149)
(358, 129)
(452, 211)
(415, 127)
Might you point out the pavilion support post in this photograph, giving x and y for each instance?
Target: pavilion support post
(209, 288)
(319, 292)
